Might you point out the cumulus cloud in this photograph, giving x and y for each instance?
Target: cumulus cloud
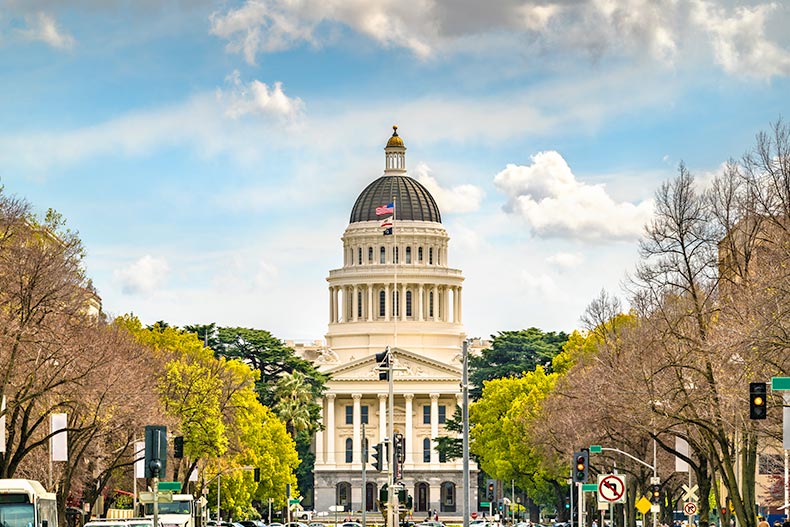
(565, 260)
(661, 29)
(555, 204)
(42, 27)
(459, 199)
(256, 98)
(541, 284)
(143, 276)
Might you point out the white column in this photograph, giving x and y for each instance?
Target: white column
(434, 426)
(331, 306)
(420, 303)
(382, 416)
(357, 428)
(319, 436)
(434, 304)
(460, 309)
(387, 303)
(330, 428)
(370, 302)
(409, 432)
(402, 300)
(354, 304)
(446, 297)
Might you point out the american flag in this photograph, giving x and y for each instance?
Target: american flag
(389, 208)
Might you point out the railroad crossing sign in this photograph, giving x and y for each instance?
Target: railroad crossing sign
(611, 488)
(690, 493)
(690, 508)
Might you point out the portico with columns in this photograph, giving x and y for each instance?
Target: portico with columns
(395, 291)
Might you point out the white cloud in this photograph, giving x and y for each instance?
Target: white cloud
(555, 204)
(256, 98)
(459, 199)
(739, 41)
(662, 29)
(42, 27)
(143, 276)
(566, 260)
(541, 284)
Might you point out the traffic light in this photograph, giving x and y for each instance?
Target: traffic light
(581, 466)
(655, 493)
(378, 457)
(256, 475)
(155, 451)
(400, 448)
(757, 393)
(491, 490)
(178, 447)
(383, 360)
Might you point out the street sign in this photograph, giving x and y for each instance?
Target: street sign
(596, 449)
(780, 383)
(337, 508)
(148, 497)
(485, 503)
(293, 501)
(690, 508)
(589, 487)
(690, 493)
(611, 488)
(643, 505)
(175, 486)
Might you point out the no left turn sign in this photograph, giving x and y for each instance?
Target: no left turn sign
(611, 488)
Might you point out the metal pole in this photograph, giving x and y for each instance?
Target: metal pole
(219, 486)
(156, 497)
(580, 511)
(364, 476)
(465, 434)
(655, 475)
(570, 492)
(393, 496)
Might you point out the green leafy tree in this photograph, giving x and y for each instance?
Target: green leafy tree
(512, 353)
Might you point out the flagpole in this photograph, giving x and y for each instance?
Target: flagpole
(397, 263)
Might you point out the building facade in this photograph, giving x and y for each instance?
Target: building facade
(393, 291)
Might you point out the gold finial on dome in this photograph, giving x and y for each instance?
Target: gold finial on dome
(395, 140)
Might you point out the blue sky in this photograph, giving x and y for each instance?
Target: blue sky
(209, 152)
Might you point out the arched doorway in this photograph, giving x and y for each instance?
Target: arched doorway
(422, 497)
(447, 498)
(343, 495)
(370, 497)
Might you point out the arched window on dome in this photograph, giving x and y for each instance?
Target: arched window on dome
(359, 255)
(430, 304)
(370, 254)
(395, 304)
(395, 254)
(382, 303)
(419, 254)
(382, 255)
(438, 257)
(359, 304)
(430, 256)
(408, 303)
(408, 255)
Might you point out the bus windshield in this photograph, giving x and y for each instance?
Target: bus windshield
(17, 515)
(175, 507)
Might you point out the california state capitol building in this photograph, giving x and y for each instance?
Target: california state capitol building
(397, 291)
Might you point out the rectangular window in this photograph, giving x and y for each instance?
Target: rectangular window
(349, 415)
(442, 414)
(770, 464)
(359, 255)
(364, 415)
(382, 255)
(370, 254)
(359, 304)
(426, 415)
(408, 255)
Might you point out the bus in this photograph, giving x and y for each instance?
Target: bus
(26, 503)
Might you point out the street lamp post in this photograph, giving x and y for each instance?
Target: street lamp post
(218, 477)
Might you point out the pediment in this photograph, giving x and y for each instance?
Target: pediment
(408, 366)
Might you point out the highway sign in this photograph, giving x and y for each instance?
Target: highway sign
(780, 383)
(589, 487)
(596, 449)
(690, 508)
(611, 488)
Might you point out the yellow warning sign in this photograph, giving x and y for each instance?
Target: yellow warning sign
(643, 505)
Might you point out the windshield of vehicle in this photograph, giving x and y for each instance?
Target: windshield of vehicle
(176, 507)
(17, 515)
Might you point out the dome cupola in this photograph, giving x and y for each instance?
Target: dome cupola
(412, 200)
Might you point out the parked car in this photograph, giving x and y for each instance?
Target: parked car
(351, 524)
(430, 523)
(296, 524)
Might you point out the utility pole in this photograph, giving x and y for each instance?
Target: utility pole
(364, 476)
(465, 433)
(392, 498)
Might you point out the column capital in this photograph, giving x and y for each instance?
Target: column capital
(408, 396)
(356, 396)
(434, 396)
(382, 397)
(331, 396)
